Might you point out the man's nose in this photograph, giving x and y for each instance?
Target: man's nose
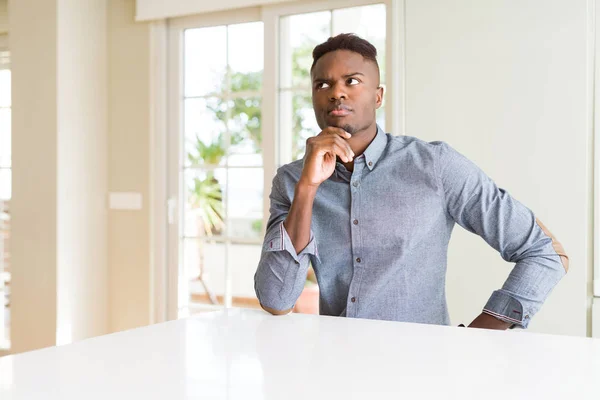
(337, 93)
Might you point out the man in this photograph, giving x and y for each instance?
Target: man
(373, 213)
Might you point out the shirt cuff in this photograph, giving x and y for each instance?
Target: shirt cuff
(508, 309)
(281, 241)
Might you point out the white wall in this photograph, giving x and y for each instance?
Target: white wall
(82, 169)
(128, 166)
(3, 16)
(505, 83)
(58, 246)
(34, 191)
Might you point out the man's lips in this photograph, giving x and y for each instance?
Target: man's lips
(339, 111)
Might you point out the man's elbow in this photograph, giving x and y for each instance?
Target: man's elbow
(274, 311)
(558, 247)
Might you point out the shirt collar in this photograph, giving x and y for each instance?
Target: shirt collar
(375, 150)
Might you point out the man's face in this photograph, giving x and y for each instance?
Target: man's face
(345, 91)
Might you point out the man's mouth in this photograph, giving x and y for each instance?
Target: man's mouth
(339, 111)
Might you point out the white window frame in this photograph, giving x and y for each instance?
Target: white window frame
(4, 47)
(177, 293)
(594, 100)
(167, 78)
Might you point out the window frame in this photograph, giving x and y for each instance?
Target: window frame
(4, 66)
(271, 144)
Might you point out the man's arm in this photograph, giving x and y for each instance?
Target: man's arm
(283, 266)
(478, 205)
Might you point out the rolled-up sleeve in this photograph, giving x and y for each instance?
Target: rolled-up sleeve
(478, 205)
(281, 272)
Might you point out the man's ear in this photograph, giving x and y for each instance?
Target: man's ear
(379, 95)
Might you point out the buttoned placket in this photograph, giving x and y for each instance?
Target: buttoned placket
(353, 299)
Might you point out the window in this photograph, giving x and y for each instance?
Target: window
(5, 196)
(221, 166)
(231, 124)
(299, 34)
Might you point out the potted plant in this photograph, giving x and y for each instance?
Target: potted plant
(206, 200)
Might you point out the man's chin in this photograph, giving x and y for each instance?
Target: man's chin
(339, 124)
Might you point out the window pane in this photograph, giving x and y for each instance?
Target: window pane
(297, 120)
(243, 260)
(368, 22)
(205, 60)
(5, 137)
(204, 213)
(5, 184)
(205, 271)
(5, 88)
(299, 34)
(381, 117)
(246, 61)
(245, 203)
(245, 132)
(205, 138)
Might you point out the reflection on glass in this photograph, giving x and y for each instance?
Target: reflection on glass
(245, 131)
(368, 22)
(204, 214)
(299, 35)
(205, 60)
(205, 131)
(5, 137)
(205, 269)
(246, 61)
(245, 202)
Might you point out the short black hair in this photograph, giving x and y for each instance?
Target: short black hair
(346, 41)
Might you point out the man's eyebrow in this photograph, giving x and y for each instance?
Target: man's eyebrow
(323, 79)
(352, 74)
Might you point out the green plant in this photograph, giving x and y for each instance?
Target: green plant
(210, 154)
(206, 198)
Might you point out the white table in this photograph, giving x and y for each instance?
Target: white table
(248, 354)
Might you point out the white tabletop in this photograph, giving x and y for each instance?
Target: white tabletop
(248, 354)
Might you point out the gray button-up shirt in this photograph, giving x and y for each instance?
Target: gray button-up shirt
(379, 236)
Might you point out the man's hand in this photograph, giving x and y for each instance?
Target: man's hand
(486, 321)
(321, 152)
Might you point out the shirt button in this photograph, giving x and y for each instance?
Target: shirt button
(355, 183)
(370, 163)
(355, 222)
(358, 260)
(353, 299)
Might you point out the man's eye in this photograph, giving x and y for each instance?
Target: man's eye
(322, 85)
(352, 81)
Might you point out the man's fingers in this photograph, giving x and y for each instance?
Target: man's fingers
(344, 145)
(341, 152)
(336, 150)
